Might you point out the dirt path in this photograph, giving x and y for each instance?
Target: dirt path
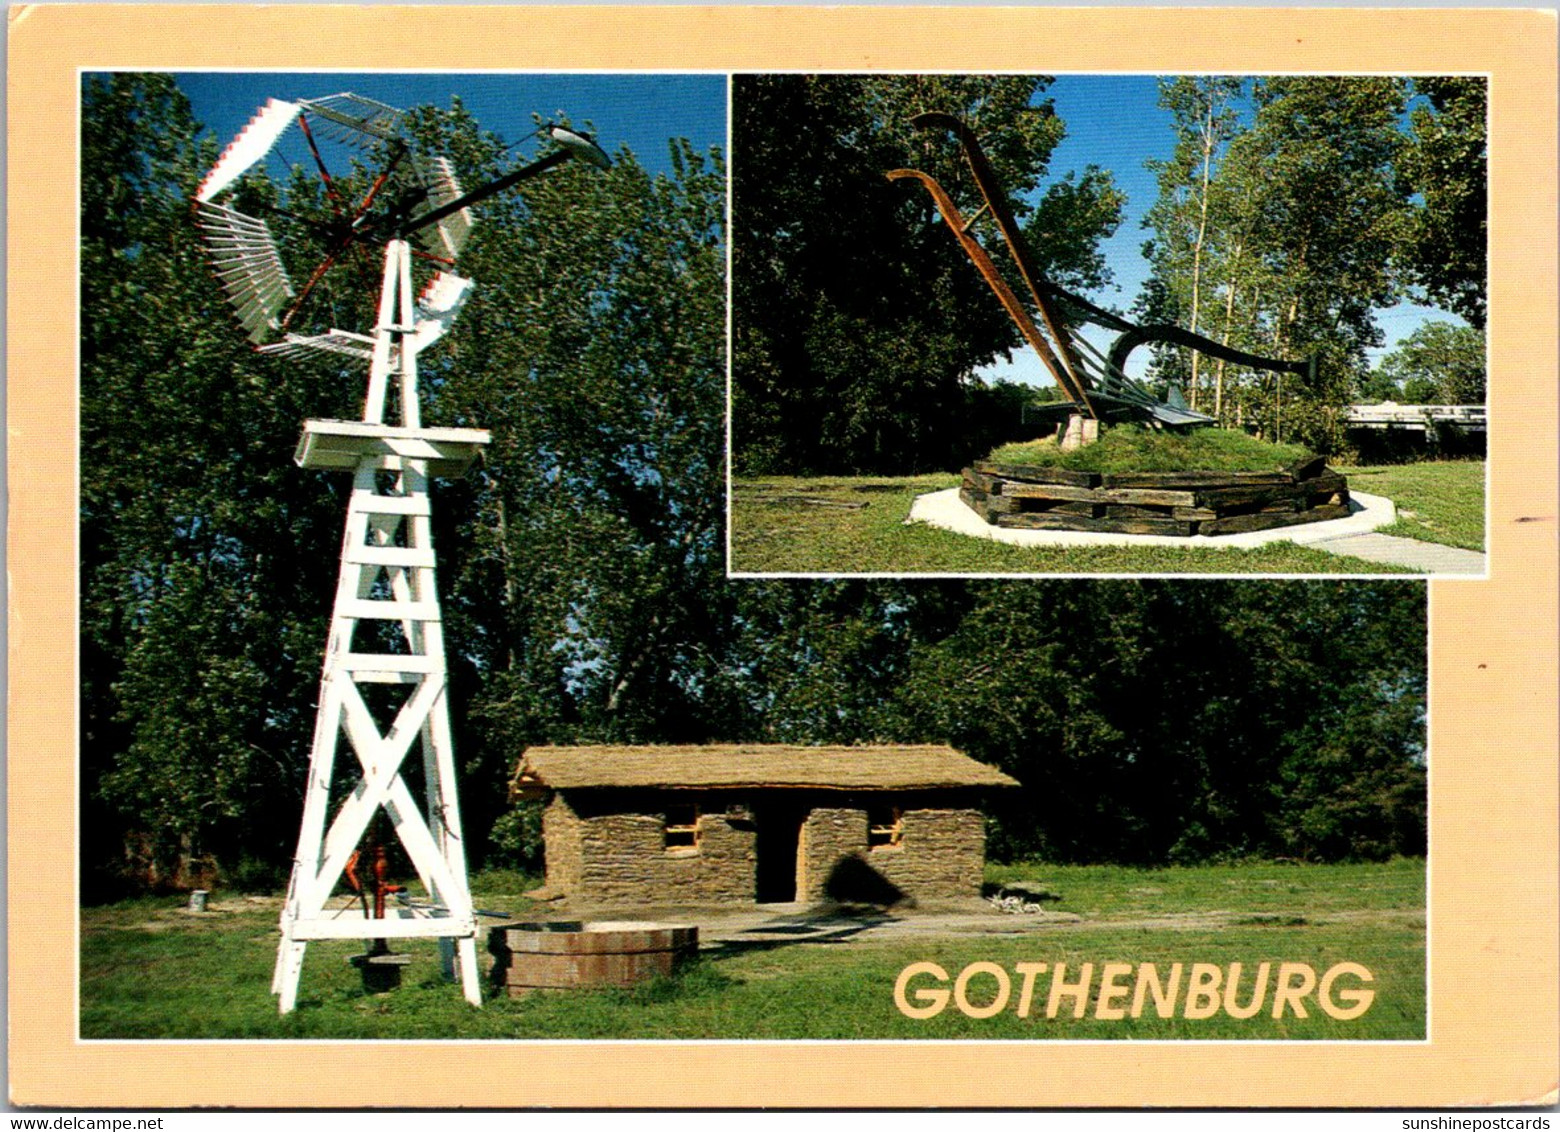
(801, 923)
(798, 923)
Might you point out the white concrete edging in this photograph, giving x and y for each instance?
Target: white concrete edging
(946, 510)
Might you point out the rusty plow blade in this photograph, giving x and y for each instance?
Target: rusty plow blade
(988, 270)
(1103, 391)
(1070, 374)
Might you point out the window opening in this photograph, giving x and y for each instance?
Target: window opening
(885, 827)
(682, 828)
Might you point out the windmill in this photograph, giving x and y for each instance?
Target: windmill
(383, 684)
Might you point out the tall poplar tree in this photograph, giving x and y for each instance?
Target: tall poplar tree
(1204, 113)
(1309, 210)
(1446, 164)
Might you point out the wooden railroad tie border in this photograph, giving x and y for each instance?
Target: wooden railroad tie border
(1180, 504)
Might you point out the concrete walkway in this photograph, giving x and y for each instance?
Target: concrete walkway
(1427, 557)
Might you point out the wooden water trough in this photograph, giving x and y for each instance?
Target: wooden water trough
(576, 954)
(1154, 503)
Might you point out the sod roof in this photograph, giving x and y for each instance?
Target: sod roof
(878, 767)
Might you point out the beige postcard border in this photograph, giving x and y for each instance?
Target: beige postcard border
(1493, 980)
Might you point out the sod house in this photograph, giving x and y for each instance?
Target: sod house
(770, 823)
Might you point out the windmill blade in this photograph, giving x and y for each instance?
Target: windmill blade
(411, 195)
(354, 120)
(448, 236)
(243, 251)
(438, 305)
(293, 346)
(247, 264)
(251, 145)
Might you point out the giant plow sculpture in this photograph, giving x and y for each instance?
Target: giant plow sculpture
(1097, 391)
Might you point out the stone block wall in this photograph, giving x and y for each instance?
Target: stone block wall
(623, 858)
(562, 831)
(603, 854)
(941, 855)
(828, 836)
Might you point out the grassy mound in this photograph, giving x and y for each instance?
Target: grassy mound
(1131, 448)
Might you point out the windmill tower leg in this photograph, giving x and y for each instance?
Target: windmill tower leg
(386, 630)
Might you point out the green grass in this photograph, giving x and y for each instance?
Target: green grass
(840, 525)
(856, 525)
(1438, 500)
(149, 970)
(1132, 448)
(1112, 892)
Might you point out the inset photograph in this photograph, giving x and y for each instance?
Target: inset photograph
(1097, 324)
(401, 430)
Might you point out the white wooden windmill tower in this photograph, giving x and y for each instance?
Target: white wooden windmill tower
(385, 627)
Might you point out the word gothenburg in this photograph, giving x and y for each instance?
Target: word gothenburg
(984, 990)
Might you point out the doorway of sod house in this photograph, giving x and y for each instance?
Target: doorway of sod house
(778, 873)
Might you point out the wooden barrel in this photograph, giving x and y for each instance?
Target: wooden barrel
(564, 954)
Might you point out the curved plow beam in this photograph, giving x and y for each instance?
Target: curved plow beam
(1136, 336)
(996, 201)
(988, 270)
(1112, 384)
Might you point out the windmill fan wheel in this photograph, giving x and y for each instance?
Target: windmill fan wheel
(390, 181)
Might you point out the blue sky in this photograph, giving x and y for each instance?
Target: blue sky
(1115, 121)
(639, 111)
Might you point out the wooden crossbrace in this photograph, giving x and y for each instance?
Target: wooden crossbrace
(386, 578)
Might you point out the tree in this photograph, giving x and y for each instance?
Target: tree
(1351, 783)
(857, 319)
(1445, 165)
(1307, 208)
(592, 563)
(1203, 111)
(1440, 363)
(185, 689)
(184, 502)
(1152, 722)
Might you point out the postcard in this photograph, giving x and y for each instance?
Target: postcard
(783, 557)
